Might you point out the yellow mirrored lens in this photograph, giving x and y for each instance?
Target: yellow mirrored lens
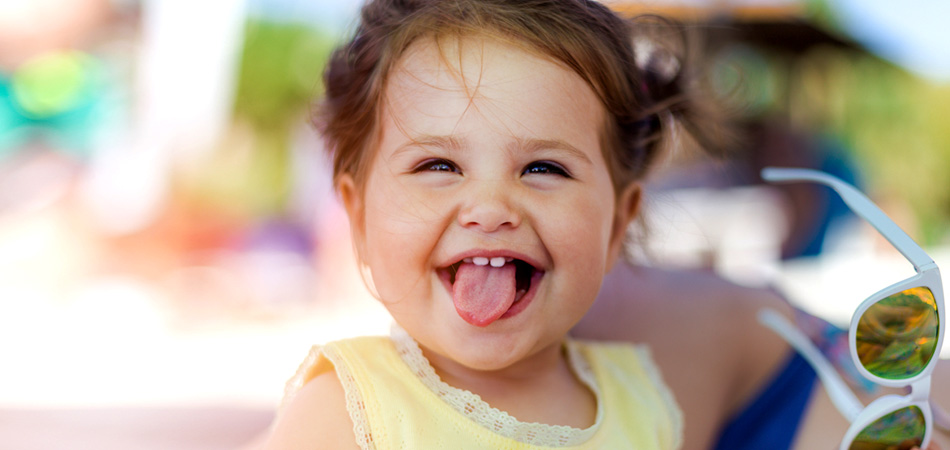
(897, 336)
(900, 430)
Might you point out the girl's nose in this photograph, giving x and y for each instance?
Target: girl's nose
(489, 209)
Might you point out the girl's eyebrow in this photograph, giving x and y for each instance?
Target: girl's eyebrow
(449, 143)
(535, 145)
(453, 144)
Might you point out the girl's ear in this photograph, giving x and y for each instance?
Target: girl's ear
(353, 204)
(352, 200)
(628, 204)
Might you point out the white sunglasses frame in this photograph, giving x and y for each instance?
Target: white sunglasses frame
(928, 275)
(841, 395)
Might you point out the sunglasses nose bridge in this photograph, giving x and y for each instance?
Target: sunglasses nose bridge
(920, 389)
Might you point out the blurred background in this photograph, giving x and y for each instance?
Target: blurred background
(170, 245)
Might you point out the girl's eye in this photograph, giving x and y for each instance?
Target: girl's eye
(436, 165)
(546, 168)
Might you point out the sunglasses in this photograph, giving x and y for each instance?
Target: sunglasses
(894, 338)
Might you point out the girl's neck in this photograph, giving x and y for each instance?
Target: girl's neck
(542, 388)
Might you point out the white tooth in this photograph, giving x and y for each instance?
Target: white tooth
(480, 261)
(467, 260)
(498, 261)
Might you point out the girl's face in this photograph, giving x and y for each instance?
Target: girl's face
(487, 153)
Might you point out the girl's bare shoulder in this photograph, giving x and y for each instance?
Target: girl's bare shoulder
(314, 418)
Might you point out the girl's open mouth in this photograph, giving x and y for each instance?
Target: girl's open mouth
(488, 289)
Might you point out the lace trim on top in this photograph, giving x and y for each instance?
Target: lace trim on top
(354, 403)
(474, 408)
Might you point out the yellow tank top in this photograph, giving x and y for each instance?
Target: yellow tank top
(397, 401)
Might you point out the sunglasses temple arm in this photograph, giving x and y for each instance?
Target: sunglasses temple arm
(841, 395)
(861, 205)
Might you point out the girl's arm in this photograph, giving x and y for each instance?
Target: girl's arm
(315, 418)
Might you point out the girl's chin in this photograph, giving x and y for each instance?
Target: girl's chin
(502, 355)
(482, 357)
(487, 363)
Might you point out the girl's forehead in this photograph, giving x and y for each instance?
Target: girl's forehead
(490, 75)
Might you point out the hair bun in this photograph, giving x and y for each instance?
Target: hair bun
(653, 59)
(673, 90)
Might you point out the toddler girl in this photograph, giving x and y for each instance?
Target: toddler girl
(487, 153)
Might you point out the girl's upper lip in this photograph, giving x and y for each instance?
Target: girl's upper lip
(486, 253)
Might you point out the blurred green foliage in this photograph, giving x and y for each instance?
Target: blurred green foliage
(891, 121)
(280, 72)
(279, 76)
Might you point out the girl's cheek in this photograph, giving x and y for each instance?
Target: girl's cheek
(416, 211)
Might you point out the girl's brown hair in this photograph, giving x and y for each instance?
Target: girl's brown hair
(638, 91)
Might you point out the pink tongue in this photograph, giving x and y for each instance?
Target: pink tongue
(483, 293)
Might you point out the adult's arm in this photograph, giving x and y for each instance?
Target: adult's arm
(703, 334)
